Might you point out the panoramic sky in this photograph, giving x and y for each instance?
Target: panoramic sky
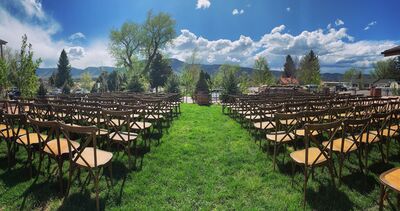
(344, 33)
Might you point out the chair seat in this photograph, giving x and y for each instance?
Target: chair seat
(372, 137)
(9, 133)
(3, 127)
(391, 178)
(299, 156)
(52, 147)
(141, 125)
(33, 139)
(123, 136)
(102, 132)
(154, 116)
(280, 137)
(301, 132)
(348, 145)
(264, 125)
(103, 157)
(393, 131)
(251, 117)
(288, 122)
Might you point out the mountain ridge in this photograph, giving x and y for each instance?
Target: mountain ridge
(177, 67)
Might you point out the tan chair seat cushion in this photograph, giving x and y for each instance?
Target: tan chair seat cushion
(288, 122)
(9, 133)
(301, 132)
(299, 156)
(372, 137)
(102, 132)
(348, 145)
(251, 117)
(3, 127)
(154, 116)
(33, 139)
(264, 125)
(141, 125)
(391, 178)
(103, 157)
(280, 137)
(123, 136)
(52, 147)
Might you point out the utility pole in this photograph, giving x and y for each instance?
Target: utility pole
(2, 42)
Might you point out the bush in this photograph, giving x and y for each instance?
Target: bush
(42, 91)
(135, 84)
(172, 84)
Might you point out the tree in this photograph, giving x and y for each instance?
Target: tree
(135, 84)
(261, 74)
(115, 80)
(289, 68)
(24, 74)
(190, 74)
(159, 30)
(386, 69)
(227, 78)
(309, 70)
(86, 81)
(352, 75)
(172, 84)
(125, 43)
(52, 79)
(101, 84)
(63, 76)
(4, 78)
(42, 91)
(159, 72)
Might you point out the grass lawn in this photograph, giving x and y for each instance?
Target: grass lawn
(204, 161)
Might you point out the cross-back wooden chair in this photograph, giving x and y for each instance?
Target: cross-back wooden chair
(315, 153)
(348, 142)
(309, 117)
(62, 113)
(285, 125)
(87, 156)
(42, 112)
(92, 116)
(389, 180)
(119, 131)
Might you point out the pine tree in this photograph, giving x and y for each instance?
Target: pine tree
(63, 76)
(159, 72)
(172, 84)
(309, 71)
(42, 91)
(261, 74)
(289, 69)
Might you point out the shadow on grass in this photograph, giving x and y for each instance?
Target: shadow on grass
(380, 167)
(15, 175)
(80, 201)
(360, 182)
(328, 198)
(40, 193)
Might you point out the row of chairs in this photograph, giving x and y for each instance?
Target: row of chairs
(81, 132)
(320, 129)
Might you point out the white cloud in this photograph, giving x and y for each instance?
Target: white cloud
(203, 4)
(33, 8)
(278, 29)
(48, 49)
(288, 9)
(77, 36)
(237, 12)
(329, 26)
(339, 22)
(373, 23)
(336, 49)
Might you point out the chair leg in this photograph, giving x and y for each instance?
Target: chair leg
(60, 173)
(111, 174)
(305, 186)
(274, 156)
(331, 171)
(96, 186)
(341, 162)
(381, 198)
(293, 168)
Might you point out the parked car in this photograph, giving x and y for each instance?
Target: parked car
(81, 91)
(311, 87)
(14, 93)
(341, 88)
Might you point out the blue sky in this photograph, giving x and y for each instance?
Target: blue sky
(343, 33)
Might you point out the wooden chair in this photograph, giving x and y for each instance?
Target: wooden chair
(311, 157)
(285, 125)
(87, 156)
(348, 142)
(119, 130)
(51, 144)
(390, 180)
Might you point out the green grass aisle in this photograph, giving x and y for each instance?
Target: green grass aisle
(205, 161)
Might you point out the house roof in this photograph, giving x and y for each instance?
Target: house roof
(288, 81)
(392, 52)
(2, 42)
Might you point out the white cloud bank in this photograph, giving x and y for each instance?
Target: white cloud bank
(40, 29)
(336, 49)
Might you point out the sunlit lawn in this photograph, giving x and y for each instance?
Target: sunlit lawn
(204, 161)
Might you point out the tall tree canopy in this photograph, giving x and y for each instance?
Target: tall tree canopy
(159, 72)
(172, 84)
(115, 81)
(63, 76)
(309, 70)
(261, 74)
(289, 68)
(387, 69)
(86, 81)
(101, 84)
(24, 74)
(143, 41)
(4, 77)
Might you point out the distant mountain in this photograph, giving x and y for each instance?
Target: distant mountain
(177, 66)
